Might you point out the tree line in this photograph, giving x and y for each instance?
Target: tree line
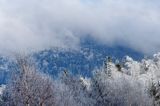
(126, 83)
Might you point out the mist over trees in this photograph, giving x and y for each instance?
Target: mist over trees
(120, 83)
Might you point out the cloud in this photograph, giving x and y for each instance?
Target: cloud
(38, 24)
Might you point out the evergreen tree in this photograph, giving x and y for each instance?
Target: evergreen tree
(107, 66)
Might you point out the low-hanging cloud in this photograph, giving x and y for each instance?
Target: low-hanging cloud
(38, 24)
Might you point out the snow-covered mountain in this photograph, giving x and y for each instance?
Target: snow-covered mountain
(90, 56)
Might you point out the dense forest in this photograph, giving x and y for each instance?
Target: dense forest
(117, 83)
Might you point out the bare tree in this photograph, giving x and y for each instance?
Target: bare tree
(72, 91)
(28, 87)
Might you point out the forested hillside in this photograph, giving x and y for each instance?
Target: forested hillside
(84, 60)
(124, 83)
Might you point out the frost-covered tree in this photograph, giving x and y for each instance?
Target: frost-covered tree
(154, 91)
(119, 90)
(107, 66)
(73, 90)
(123, 83)
(28, 87)
(2, 88)
(131, 67)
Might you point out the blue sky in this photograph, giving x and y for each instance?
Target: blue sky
(39, 24)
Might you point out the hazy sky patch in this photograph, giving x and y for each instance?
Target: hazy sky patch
(40, 24)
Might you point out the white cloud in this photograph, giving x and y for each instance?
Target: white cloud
(39, 24)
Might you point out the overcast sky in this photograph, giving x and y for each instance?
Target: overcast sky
(38, 24)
